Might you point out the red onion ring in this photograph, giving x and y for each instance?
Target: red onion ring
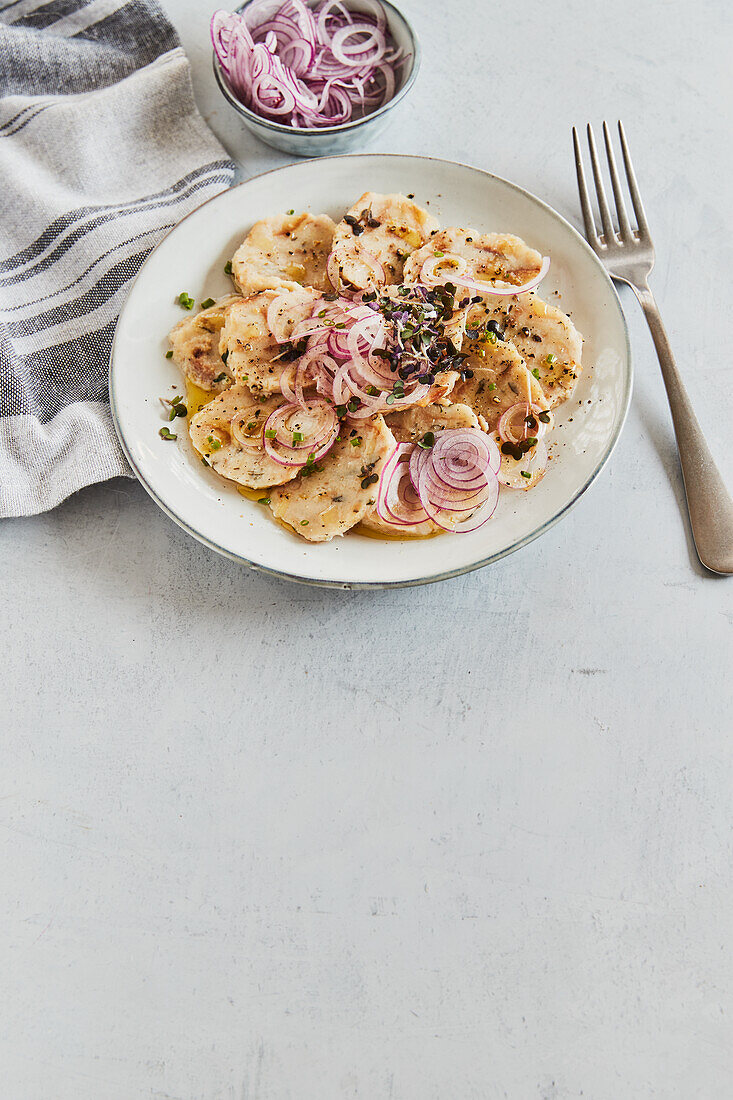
(397, 500)
(428, 275)
(316, 442)
(457, 496)
(512, 425)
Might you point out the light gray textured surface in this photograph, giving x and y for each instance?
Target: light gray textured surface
(466, 842)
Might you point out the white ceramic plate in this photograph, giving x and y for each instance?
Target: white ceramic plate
(192, 258)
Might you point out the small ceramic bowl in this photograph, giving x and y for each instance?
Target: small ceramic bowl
(349, 135)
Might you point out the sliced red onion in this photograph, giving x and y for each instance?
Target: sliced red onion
(513, 427)
(278, 322)
(457, 486)
(459, 265)
(453, 517)
(315, 420)
(307, 66)
(247, 441)
(397, 500)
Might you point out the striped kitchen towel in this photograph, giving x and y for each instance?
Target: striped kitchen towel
(102, 150)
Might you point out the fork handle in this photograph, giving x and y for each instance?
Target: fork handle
(708, 501)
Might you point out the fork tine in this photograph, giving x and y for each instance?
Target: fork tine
(623, 221)
(633, 189)
(608, 230)
(585, 206)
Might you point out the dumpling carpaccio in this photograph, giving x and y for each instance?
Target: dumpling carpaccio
(412, 424)
(195, 345)
(491, 391)
(544, 336)
(228, 433)
(253, 355)
(288, 250)
(489, 256)
(376, 236)
(342, 486)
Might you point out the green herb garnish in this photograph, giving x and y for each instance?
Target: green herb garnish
(185, 300)
(169, 355)
(228, 267)
(524, 473)
(264, 500)
(164, 433)
(536, 373)
(208, 303)
(270, 434)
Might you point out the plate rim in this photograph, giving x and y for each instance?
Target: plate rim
(427, 579)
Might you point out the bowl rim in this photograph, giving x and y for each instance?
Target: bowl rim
(342, 127)
(432, 578)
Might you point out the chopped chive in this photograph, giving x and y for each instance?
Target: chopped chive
(536, 373)
(356, 442)
(439, 254)
(228, 267)
(264, 500)
(221, 377)
(304, 523)
(524, 473)
(169, 355)
(204, 462)
(322, 313)
(551, 359)
(208, 303)
(298, 437)
(491, 386)
(270, 433)
(185, 300)
(291, 211)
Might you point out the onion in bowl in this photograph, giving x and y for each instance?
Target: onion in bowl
(308, 65)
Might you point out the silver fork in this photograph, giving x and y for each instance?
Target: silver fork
(628, 256)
